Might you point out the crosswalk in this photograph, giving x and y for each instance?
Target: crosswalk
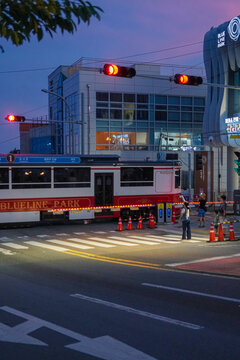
(93, 240)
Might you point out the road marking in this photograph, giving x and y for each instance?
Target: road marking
(79, 233)
(90, 242)
(62, 242)
(193, 292)
(203, 260)
(62, 234)
(138, 312)
(116, 242)
(42, 236)
(99, 232)
(7, 252)
(46, 246)
(131, 238)
(23, 237)
(156, 239)
(103, 347)
(4, 238)
(15, 246)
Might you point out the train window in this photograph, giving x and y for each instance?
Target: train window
(23, 178)
(137, 176)
(71, 177)
(177, 179)
(4, 178)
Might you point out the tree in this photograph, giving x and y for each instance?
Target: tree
(19, 19)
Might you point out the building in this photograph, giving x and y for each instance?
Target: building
(221, 125)
(138, 118)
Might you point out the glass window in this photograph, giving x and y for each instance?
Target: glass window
(102, 137)
(115, 114)
(101, 96)
(71, 177)
(186, 116)
(177, 179)
(4, 178)
(173, 100)
(160, 99)
(142, 138)
(129, 113)
(200, 101)
(173, 116)
(116, 97)
(174, 107)
(160, 115)
(142, 115)
(186, 100)
(116, 105)
(161, 107)
(102, 123)
(198, 108)
(198, 117)
(136, 176)
(129, 97)
(31, 178)
(142, 98)
(142, 106)
(102, 104)
(186, 108)
(102, 113)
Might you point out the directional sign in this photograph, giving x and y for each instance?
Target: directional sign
(103, 347)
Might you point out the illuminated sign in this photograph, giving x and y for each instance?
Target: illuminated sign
(221, 39)
(233, 125)
(234, 28)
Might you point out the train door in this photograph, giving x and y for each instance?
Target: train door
(103, 189)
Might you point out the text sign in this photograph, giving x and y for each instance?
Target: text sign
(39, 159)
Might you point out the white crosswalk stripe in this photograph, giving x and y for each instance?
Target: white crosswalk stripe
(42, 235)
(14, 246)
(132, 239)
(46, 246)
(71, 244)
(91, 242)
(158, 239)
(116, 242)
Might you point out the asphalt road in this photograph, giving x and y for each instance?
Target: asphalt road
(131, 300)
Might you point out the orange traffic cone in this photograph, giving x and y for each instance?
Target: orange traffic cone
(130, 223)
(152, 222)
(212, 233)
(231, 232)
(140, 226)
(173, 215)
(220, 233)
(120, 227)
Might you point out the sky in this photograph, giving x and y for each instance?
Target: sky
(127, 29)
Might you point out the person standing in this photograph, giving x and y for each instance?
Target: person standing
(185, 218)
(222, 213)
(202, 209)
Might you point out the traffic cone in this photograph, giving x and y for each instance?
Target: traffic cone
(152, 222)
(212, 233)
(220, 233)
(173, 215)
(231, 232)
(130, 223)
(120, 227)
(140, 226)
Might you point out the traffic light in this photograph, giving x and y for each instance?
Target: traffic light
(121, 71)
(199, 163)
(237, 162)
(15, 118)
(184, 79)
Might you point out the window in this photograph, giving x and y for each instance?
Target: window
(23, 178)
(174, 100)
(173, 116)
(102, 113)
(198, 117)
(101, 96)
(160, 115)
(116, 97)
(186, 116)
(137, 176)
(115, 114)
(142, 98)
(177, 179)
(160, 99)
(4, 178)
(71, 177)
(199, 101)
(142, 115)
(129, 97)
(186, 100)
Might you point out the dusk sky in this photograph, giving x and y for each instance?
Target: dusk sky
(126, 28)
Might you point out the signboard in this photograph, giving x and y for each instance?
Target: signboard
(16, 159)
(233, 31)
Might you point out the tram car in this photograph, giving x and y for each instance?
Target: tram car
(39, 188)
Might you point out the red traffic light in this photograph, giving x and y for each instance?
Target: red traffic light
(184, 79)
(16, 118)
(120, 71)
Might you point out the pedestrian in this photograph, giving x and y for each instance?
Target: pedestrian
(185, 218)
(222, 213)
(216, 222)
(202, 209)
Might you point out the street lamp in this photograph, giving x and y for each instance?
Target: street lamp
(71, 122)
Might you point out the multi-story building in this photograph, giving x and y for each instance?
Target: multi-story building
(136, 118)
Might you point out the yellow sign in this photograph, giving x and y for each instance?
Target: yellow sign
(235, 136)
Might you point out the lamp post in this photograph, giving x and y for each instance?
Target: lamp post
(71, 122)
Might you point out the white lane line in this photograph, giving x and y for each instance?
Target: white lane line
(4, 238)
(67, 243)
(191, 241)
(14, 246)
(7, 252)
(90, 242)
(62, 234)
(80, 233)
(23, 237)
(46, 246)
(193, 292)
(192, 237)
(116, 242)
(203, 260)
(99, 232)
(130, 238)
(157, 239)
(138, 312)
(42, 236)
